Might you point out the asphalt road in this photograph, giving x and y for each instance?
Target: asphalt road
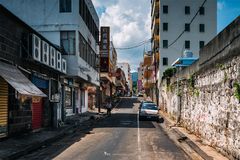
(118, 137)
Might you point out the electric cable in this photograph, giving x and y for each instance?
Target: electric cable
(180, 35)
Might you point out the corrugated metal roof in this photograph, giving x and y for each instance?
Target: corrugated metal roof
(18, 81)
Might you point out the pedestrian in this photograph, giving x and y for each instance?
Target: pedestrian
(109, 107)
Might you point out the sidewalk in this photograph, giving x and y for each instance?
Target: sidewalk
(190, 143)
(15, 147)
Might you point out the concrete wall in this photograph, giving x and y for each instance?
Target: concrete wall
(206, 100)
(176, 20)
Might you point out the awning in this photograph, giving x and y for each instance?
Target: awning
(18, 81)
(184, 62)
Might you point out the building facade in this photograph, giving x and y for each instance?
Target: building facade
(73, 25)
(108, 64)
(172, 17)
(140, 77)
(126, 69)
(31, 68)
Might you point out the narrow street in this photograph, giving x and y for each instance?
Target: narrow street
(119, 137)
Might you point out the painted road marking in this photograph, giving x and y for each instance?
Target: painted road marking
(138, 138)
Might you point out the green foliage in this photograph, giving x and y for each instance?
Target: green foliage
(170, 88)
(169, 72)
(196, 92)
(220, 66)
(191, 81)
(237, 91)
(225, 77)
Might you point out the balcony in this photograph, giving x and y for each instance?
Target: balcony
(155, 7)
(147, 60)
(148, 83)
(156, 38)
(147, 73)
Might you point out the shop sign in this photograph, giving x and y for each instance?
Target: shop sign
(104, 49)
(47, 54)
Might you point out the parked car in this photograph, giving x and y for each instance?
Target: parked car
(149, 111)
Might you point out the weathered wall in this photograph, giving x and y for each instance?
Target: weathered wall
(206, 95)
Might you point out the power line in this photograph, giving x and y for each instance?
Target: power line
(180, 35)
(134, 46)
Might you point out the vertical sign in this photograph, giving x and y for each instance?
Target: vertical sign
(104, 49)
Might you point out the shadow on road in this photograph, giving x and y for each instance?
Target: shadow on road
(124, 120)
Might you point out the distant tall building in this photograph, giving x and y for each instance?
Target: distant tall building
(170, 18)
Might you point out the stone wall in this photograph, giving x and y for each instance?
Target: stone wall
(204, 96)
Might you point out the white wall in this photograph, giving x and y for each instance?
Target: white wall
(176, 20)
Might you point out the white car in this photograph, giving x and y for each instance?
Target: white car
(149, 111)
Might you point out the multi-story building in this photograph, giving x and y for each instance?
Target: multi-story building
(108, 64)
(31, 89)
(148, 74)
(126, 69)
(73, 25)
(140, 77)
(170, 18)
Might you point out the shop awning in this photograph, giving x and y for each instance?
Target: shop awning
(18, 81)
(184, 62)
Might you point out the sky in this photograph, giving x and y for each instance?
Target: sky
(130, 22)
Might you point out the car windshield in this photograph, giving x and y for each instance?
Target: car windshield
(150, 106)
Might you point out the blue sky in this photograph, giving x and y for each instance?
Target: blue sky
(228, 10)
(130, 23)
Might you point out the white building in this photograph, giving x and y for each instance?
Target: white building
(172, 17)
(73, 25)
(126, 69)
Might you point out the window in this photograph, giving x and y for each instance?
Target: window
(201, 44)
(187, 10)
(201, 28)
(86, 52)
(68, 41)
(165, 43)
(187, 27)
(201, 11)
(165, 61)
(165, 26)
(65, 5)
(187, 44)
(88, 19)
(165, 9)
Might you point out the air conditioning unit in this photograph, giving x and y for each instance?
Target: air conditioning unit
(52, 57)
(36, 48)
(45, 53)
(59, 61)
(64, 66)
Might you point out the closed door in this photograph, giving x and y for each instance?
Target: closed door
(3, 107)
(37, 111)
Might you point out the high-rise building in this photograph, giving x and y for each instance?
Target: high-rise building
(170, 18)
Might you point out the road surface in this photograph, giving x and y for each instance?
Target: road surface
(118, 137)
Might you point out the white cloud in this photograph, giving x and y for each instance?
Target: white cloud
(130, 24)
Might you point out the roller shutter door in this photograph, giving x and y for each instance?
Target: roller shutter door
(37, 110)
(3, 107)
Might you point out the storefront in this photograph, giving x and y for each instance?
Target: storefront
(40, 111)
(19, 92)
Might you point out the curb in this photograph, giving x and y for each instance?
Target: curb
(188, 146)
(38, 144)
